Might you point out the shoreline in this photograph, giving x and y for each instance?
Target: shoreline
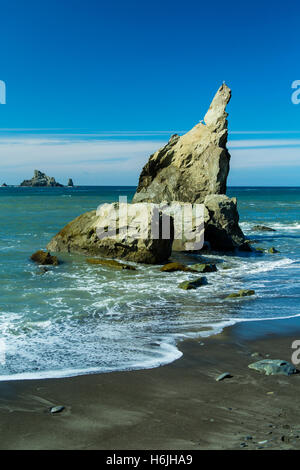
(178, 406)
(252, 333)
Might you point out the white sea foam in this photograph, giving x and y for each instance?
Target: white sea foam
(278, 226)
(169, 353)
(263, 266)
(284, 317)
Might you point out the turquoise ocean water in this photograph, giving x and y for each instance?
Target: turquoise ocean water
(79, 318)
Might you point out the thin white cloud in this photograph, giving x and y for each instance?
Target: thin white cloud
(94, 133)
(265, 132)
(125, 133)
(28, 151)
(271, 143)
(96, 161)
(266, 158)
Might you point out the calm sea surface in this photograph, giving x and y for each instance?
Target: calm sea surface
(79, 318)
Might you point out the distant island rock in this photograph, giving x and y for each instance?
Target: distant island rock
(41, 180)
(4, 185)
(70, 183)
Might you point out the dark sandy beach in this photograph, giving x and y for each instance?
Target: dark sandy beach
(178, 406)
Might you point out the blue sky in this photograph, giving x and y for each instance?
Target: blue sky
(94, 87)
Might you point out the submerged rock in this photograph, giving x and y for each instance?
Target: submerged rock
(192, 166)
(188, 285)
(173, 267)
(273, 367)
(204, 268)
(44, 258)
(241, 293)
(40, 180)
(107, 233)
(262, 228)
(227, 266)
(111, 263)
(273, 250)
(256, 354)
(42, 270)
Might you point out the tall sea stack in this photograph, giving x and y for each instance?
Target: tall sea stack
(191, 169)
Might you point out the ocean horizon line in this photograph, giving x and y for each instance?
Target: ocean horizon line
(135, 186)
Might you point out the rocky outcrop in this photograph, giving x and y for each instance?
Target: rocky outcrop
(216, 221)
(174, 267)
(273, 250)
(241, 293)
(188, 285)
(222, 228)
(188, 224)
(70, 183)
(190, 170)
(262, 228)
(118, 231)
(40, 180)
(44, 258)
(204, 268)
(110, 263)
(274, 367)
(192, 166)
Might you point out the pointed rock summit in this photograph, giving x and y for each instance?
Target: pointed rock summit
(192, 166)
(216, 115)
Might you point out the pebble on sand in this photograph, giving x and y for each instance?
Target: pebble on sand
(56, 409)
(225, 375)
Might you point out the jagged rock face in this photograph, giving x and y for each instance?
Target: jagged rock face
(188, 224)
(215, 221)
(41, 179)
(192, 166)
(108, 233)
(222, 228)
